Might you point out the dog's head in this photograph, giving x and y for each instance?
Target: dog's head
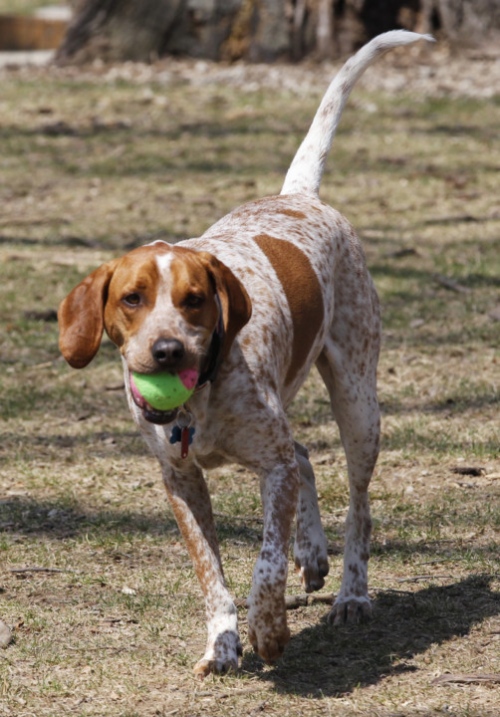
(160, 304)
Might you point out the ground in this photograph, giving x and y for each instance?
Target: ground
(96, 583)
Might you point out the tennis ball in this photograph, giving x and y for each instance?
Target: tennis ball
(165, 391)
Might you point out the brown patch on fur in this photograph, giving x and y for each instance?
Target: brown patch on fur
(303, 293)
(80, 317)
(190, 278)
(235, 302)
(135, 273)
(97, 303)
(291, 213)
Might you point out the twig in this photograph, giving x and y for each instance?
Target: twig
(245, 518)
(401, 253)
(260, 708)
(419, 578)
(453, 219)
(232, 693)
(475, 471)
(36, 569)
(466, 679)
(115, 387)
(38, 366)
(451, 285)
(293, 602)
(116, 650)
(20, 222)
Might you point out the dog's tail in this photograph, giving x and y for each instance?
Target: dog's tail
(308, 164)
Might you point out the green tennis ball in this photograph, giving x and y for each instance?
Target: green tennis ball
(164, 391)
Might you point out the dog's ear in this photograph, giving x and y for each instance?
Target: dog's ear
(235, 302)
(80, 316)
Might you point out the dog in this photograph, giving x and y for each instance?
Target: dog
(277, 285)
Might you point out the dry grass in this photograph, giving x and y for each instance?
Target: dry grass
(111, 621)
(23, 7)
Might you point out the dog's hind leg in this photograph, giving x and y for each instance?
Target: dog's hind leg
(310, 548)
(348, 365)
(356, 412)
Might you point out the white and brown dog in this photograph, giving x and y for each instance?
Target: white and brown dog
(274, 287)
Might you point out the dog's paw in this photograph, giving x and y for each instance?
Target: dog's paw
(313, 569)
(268, 630)
(270, 644)
(350, 610)
(221, 657)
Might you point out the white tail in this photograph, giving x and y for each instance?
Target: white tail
(307, 167)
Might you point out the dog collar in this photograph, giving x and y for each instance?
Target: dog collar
(183, 430)
(214, 356)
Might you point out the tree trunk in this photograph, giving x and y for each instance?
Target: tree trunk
(117, 30)
(262, 30)
(469, 22)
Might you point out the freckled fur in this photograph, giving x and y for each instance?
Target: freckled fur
(294, 291)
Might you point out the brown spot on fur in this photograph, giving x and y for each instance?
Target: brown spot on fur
(291, 213)
(303, 293)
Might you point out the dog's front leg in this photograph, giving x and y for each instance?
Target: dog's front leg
(190, 500)
(267, 625)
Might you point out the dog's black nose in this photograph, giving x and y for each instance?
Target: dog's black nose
(167, 352)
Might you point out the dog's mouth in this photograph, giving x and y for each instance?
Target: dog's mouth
(152, 415)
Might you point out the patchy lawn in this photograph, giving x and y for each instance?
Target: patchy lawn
(95, 583)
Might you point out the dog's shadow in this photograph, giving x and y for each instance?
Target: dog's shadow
(324, 660)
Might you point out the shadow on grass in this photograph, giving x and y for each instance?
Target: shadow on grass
(142, 158)
(99, 444)
(467, 397)
(423, 277)
(326, 661)
(62, 519)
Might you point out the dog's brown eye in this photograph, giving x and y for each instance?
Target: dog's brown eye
(194, 301)
(132, 299)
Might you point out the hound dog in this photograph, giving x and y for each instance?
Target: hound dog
(276, 286)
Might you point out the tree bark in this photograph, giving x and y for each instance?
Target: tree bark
(469, 22)
(118, 30)
(262, 30)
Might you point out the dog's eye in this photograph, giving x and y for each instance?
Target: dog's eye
(132, 300)
(194, 301)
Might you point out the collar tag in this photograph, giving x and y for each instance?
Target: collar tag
(183, 432)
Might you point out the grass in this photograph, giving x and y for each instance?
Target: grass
(22, 7)
(96, 583)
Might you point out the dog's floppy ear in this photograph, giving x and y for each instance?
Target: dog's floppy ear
(81, 320)
(235, 302)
